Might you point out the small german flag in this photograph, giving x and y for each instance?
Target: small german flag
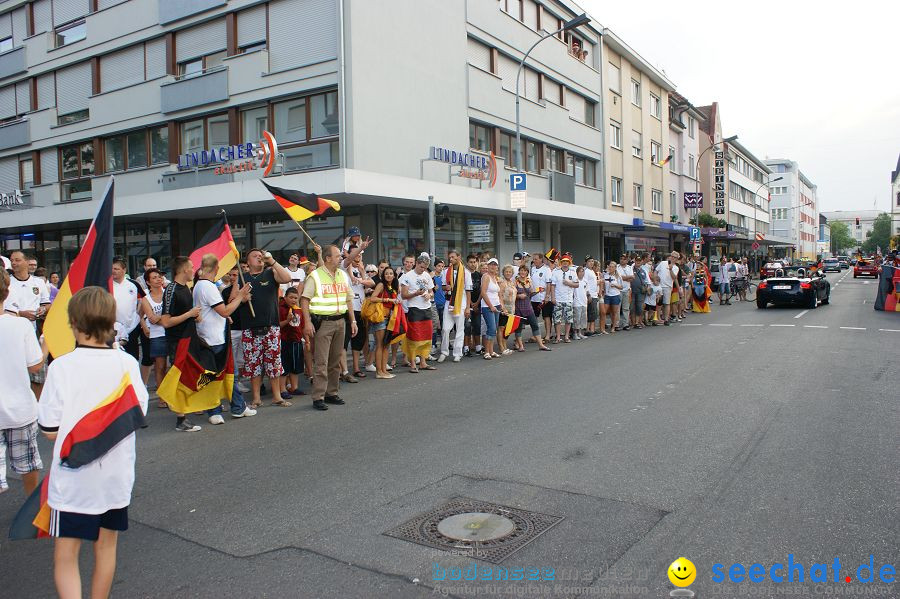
(396, 327)
(298, 205)
(218, 241)
(667, 160)
(552, 255)
(457, 287)
(92, 266)
(197, 380)
(510, 323)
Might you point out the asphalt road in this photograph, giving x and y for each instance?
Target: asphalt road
(740, 436)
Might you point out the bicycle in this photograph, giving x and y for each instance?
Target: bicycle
(745, 285)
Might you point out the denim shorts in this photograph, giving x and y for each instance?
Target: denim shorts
(613, 300)
(492, 320)
(378, 326)
(158, 348)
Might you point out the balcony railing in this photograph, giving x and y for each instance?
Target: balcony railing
(14, 134)
(195, 90)
(12, 62)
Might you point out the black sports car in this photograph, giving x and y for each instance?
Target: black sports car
(794, 286)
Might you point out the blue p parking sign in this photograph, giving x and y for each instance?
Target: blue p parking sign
(517, 182)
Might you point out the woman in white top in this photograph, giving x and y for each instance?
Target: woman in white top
(613, 297)
(490, 306)
(151, 310)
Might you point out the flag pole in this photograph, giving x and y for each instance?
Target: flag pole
(311, 240)
(240, 270)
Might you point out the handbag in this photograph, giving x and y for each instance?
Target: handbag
(373, 311)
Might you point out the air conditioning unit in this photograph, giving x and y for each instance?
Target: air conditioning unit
(562, 187)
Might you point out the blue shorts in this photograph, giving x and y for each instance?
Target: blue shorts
(378, 326)
(87, 526)
(724, 288)
(612, 300)
(491, 319)
(158, 348)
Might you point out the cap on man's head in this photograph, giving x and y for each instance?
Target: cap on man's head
(518, 256)
(493, 261)
(567, 257)
(353, 232)
(588, 257)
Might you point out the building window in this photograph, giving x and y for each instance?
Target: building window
(197, 66)
(532, 154)
(6, 45)
(193, 136)
(615, 135)
(556, 160)
(254, 47)
(76, 165)
(323, 115)
(615, 79)
(615, 191)
(655, 153)
(310, 127)
(479, 137)
(656, 201)
(134, 150)
(26, 174)
(690, 126)
(531, 229)
(635, 92)
(636, 143)
(73, 117)
(114, 151)
(589, 111)
(254, 121)
(638, 197)
(673, 203)
(692, 168)
(585, 171)
(68, 34)
(671, 158)
(655, 106)
(508, 150)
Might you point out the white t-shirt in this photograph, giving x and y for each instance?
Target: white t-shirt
(662, 271)
(581, 293)
(655, 291)
(211, 327)
(358, 290)
(563, 293)
(625, 271)
(126, 295)
(610, 280)
(18, 406)
(297, 278)
(27, 295)
(591, 279)
(76, 383)
(156, 330)
(415, 282)
(725, 272)
(540, 279)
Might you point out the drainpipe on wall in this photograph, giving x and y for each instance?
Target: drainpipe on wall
(602, 127)
(342, 93)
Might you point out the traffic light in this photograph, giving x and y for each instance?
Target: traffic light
(441, 216)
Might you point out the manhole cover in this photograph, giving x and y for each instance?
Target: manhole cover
(493, 532)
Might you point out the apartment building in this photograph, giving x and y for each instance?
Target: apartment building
(895, 200)
(682, 155)
(173, 98)
(859, 222)
(794, 206)
(638, 141)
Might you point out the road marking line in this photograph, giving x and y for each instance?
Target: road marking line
(782, 325)
(854, 328)
(814, 326)
(693, 324)
(801, 314)
(753, 325)
(890, 330)
(719, 325)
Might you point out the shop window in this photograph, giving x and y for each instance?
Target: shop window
(68, 34)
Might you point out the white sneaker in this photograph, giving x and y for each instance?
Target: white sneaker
(441, 359)
(371, 368)
(456, 358)
(389, 367)
(216, 419)
(507, 351)
(248, 411)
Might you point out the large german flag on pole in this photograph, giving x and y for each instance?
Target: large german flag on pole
(218, 241)
(109, 422)
(298, 205)
(197, 380)
(92, 266)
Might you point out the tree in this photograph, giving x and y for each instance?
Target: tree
(880, 235)
(840, 237)
(708, 220)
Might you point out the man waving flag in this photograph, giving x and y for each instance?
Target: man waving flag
(92, 266)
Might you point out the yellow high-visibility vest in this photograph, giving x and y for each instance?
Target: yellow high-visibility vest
(330, 294)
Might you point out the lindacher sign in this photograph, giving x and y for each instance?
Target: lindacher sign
(471, 166)
(247, 156)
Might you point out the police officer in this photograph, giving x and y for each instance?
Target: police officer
(327, 303)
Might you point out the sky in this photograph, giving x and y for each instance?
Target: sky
(815, 82)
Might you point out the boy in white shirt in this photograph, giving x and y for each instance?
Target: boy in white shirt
(579, 304)
(652, 301)
(18, 406)
(89, 486)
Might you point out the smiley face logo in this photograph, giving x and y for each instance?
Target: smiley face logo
(682, 572)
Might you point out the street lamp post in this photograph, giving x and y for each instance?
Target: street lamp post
(571, 24)
(761, 185)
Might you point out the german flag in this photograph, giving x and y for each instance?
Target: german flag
(32, 521)
(92, 266)
(396, 327)
(298, 205)
(101, 429)
(457, 287)
(197, 380)
(218, 241)
(667, 160)
(552, 255)
(510, 323)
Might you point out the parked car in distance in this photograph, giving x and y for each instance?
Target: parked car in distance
(769, 268)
